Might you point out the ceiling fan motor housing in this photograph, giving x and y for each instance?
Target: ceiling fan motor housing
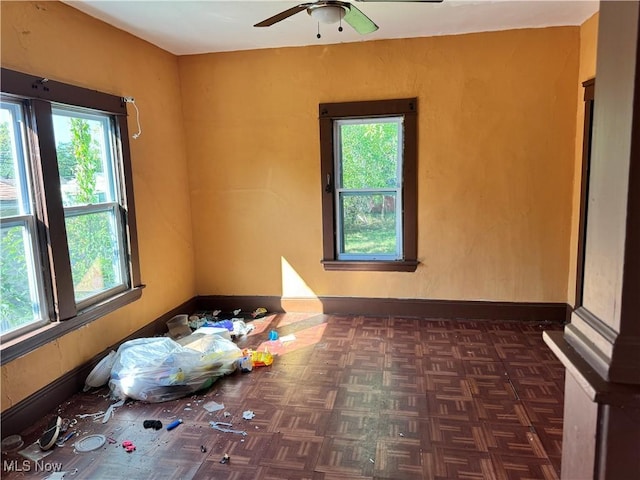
(328, 12)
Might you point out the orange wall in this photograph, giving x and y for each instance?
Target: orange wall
(229, 173)
(54, 40)
(497, 115)
(588, 47)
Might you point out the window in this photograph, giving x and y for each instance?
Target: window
(22, 299)
(68, 247)
(91, 202)
(368, 156)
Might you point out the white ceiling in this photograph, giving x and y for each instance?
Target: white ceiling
(185, 27)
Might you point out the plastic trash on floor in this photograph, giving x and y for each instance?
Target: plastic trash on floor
(261, 359)
(179, 327)
(100, 374)
(240, 328)
(160, 369)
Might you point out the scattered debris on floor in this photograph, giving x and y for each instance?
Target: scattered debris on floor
(160, 369)
(221, 427)
(50, 434)
(60, 475)
(128, 446)
(101, 373)
(62, 441)
(288, 338)
(213, 406)
(261, 358)
(174, 424)
(90, 443)
(111, 410)
(155, 424)
(196, 351)
(95, 416)
(245, 363)
(11, 443)
(34, 453)
(248, 414)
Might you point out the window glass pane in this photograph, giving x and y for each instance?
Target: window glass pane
(369, 224)
(94, 250)
(369, 153)
(84, 157)
(21, 292)
(19, 299)
(14, 192)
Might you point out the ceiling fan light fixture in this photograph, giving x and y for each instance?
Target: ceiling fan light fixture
(327, 13)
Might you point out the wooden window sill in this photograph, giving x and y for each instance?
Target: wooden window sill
(370, 266)
(30, 341)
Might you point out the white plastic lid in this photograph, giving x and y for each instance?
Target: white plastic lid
(90, 442)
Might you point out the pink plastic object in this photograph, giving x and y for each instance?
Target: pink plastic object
(128, 446)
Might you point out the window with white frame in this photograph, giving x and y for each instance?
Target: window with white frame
(368, 157)
(68, 250)
(368, 167)
(92, 202)
(22, 293)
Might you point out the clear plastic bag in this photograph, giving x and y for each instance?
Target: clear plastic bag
(160, 369)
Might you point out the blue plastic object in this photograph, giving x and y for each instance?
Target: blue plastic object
(228, 324)
(174, 424)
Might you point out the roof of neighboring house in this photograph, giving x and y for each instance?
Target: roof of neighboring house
(8, 191)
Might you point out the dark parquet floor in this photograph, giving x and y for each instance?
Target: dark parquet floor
(351, 398)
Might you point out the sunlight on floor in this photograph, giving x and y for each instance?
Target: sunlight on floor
(294, 332)
(301, 339)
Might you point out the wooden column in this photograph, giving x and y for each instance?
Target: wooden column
(600, 348)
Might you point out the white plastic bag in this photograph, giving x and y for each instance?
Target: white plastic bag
(160, 369)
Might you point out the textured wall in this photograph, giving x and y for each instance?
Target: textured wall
(237, 161)
(56, 41)
(497, 115)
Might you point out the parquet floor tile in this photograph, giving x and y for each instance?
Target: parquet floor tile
(491, 387)
(351, 398)
(497, 410)
(399, 459)
(463, 464)
(396, 427)
(350, 457)
(353, 424)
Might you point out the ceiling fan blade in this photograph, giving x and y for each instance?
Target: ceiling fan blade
(282, 15)
(359, 21)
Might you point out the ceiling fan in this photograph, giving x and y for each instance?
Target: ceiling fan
(334, 11)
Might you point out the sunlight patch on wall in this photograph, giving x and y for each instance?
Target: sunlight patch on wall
(293, 285)
(297, 296)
